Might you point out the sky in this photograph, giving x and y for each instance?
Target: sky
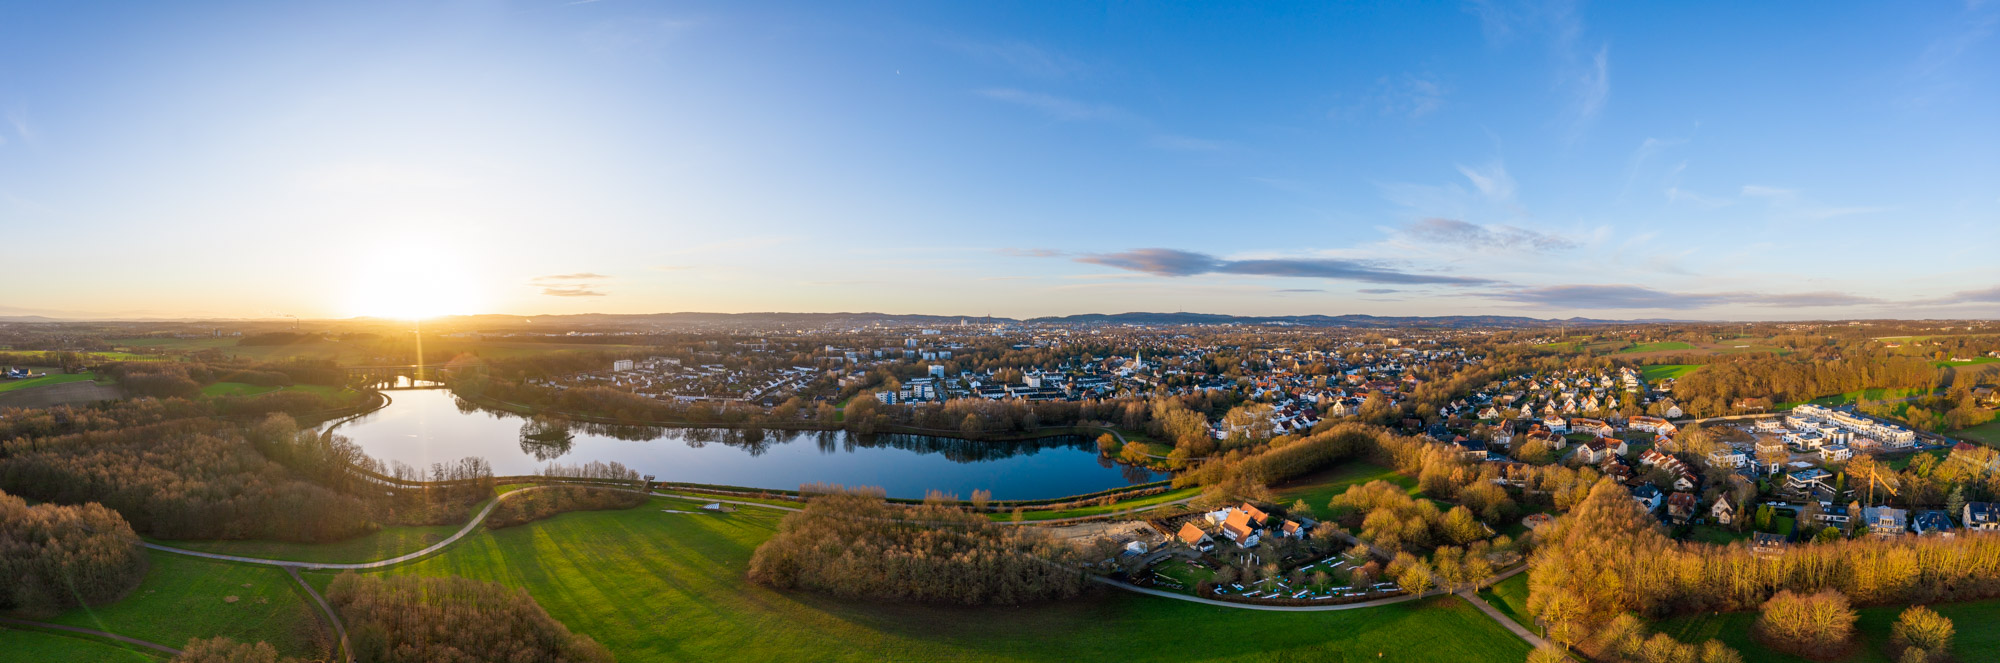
(1701, 160)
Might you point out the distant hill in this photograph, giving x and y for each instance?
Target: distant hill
(1355, 321)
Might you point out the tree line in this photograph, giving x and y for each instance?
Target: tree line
(538, 503)
(854, 545)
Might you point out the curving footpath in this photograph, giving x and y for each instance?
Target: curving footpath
(22, 623)
(293, 568)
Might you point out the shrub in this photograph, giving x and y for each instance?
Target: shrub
(532, 504)
(225, 650)
(1816, 625)
(1922, 634)
(452, 620)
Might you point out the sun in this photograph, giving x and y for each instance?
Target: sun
(412, 284)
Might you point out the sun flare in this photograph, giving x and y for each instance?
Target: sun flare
(410, 284)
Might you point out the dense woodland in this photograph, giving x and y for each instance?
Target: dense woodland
(855, 545)
(408, 619)
(55, 557)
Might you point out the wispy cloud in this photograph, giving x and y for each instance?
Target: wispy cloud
(578, 284)
(1589, 297)
(1471, 235)
(1581, 71)
(1411, 95)
(1069, 110)
(1492, 180)
(1791, 205)
(1174, 262)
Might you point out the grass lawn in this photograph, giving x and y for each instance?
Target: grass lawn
(1969, 362)
(656, 586)
(1717, 535)
(1987, 433)
(55, 376)
(1657, 347)
(1975, 640)
(1319, 488)
(1667, 371)
(247, 389)
(186, 597)
(51, 647)
(1852, 397)
(1510, 596)
(383, 544)
(1148, 500)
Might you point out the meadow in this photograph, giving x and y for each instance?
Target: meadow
(1667, 371)
(1976, 640)
(658, 586)
(55, 376)
(1319, 488)
(1658, 346)
(186, 597)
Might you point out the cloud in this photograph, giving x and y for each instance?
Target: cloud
(571, 291)
(1030, 253)
(1068, 110)
(579, 276)
(1791, 205)
(1472, 235)
(578, 284)
(1492, 180)
(1640, 297)
(1378, 291)
(1411, 95)
(1174, 262)
(1302, 290)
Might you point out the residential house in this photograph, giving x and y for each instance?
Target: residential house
(1654, 425)
(1293, 530)
(1195, 538)
(1981, 516)
(1681, 506)
(1885, 521)
(1647, 496)
(1836, 453)
(1722, 510)
(1592, 426)
(1931, 522)
(1239, 530)
(1809, 479)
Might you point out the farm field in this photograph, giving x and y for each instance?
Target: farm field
(657, 586)
(185, 597)
(1667, 371)
(1975, 361)
(1987, 433)
(246, 389)
(1660, 346)
(1975, 640)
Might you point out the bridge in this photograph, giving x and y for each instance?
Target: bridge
(411, 376)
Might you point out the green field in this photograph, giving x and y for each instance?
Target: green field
(1987, 433)
(1976, 640)
(185, 597)
(1852, 397)
(1149, 500)
(55, 376)
(247, 389)
(1319, 488)
(53, 647)
(657, 586)
(1969, 362)
(1510, 596)
(1658, 346)
(1667, 371)
(383, 544)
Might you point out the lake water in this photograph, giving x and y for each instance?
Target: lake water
(432, 426)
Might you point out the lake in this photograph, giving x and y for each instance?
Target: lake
(430, 426)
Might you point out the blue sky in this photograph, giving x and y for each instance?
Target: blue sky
(1692, 160)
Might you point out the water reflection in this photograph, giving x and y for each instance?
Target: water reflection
(423, 427)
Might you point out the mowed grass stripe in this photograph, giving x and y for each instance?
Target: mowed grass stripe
(657, 586)
(185, 597)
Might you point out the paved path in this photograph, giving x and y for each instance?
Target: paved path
(1472, 595)
(1255, 606)
(310, 566)
(22, 623)
(339, 629)
(1052, 521)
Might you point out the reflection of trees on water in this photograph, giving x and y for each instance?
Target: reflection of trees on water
(546, 438)
(757, 441)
